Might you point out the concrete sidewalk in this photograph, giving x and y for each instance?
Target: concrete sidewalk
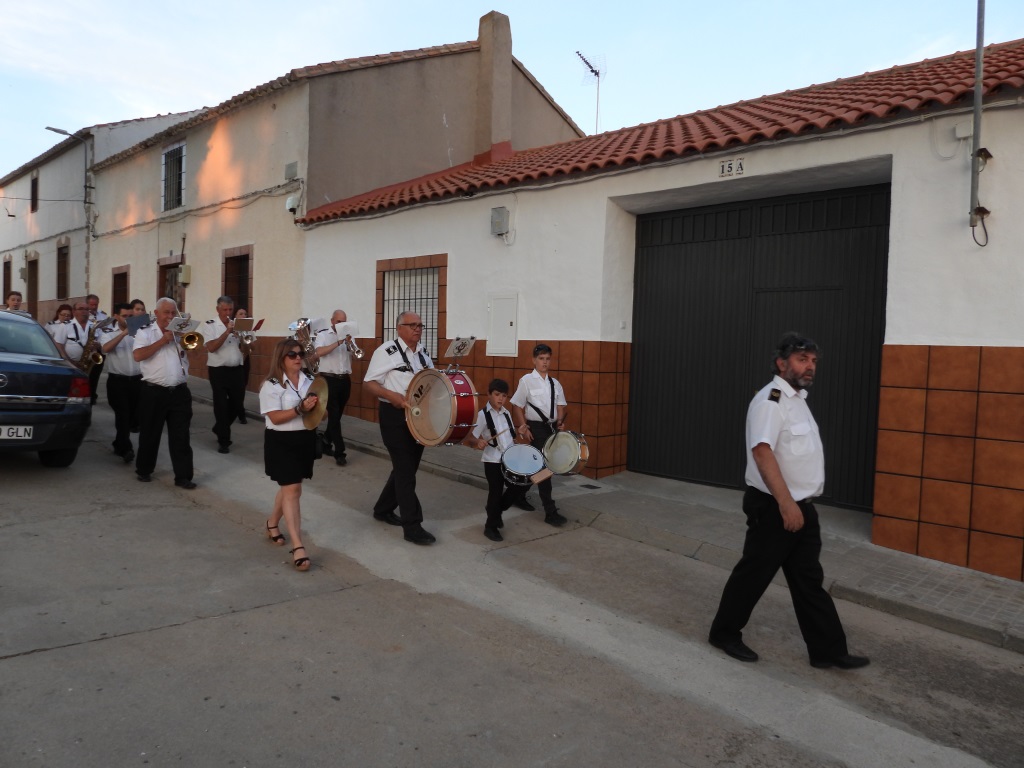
(707, 524)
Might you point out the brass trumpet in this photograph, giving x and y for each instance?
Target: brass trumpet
(187, 340)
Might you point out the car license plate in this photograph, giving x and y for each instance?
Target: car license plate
(16, 433)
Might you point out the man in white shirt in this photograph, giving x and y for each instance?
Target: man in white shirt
(124, 381)
(785, 472)
(71, 337)
(387, 378)
(224, 363)
(165, 397)
(336, 367)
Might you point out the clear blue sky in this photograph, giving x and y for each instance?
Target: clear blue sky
(75, 63)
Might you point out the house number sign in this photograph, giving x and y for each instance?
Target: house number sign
(731, 167)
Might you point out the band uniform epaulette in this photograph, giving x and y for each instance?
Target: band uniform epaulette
(274, 381)
(308, 375)
(391, 349)
(146, 325)
(774, 395)
(209, 322)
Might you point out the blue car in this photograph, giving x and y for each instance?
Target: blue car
(44, 399)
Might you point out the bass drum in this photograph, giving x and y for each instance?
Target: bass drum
(566, 453)
(443, 406)
(519, 463)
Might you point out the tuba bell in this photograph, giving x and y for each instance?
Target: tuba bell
(301, 333)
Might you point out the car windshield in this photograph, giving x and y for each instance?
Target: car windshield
(26, 339)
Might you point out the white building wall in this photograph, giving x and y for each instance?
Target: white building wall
(571, 250)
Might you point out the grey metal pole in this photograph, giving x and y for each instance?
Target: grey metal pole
(979, 69)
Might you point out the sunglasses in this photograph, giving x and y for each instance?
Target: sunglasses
(293, 354)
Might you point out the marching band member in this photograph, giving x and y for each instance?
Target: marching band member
(164, 398)
(336, 367)
(124, 380)
(543, 395)
(387, 378)
(227, 375)
(289, 449)
(71, 337)
(97, 316)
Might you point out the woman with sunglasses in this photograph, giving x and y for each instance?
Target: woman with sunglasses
(288, 447)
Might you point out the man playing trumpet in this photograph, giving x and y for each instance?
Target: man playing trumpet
(165, 396)
(227, 373)
(124, 381)
(333, 350)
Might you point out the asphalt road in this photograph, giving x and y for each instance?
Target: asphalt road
(148, 625)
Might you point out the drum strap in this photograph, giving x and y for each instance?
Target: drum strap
(408, 368)
(550, 419)
(490, 425)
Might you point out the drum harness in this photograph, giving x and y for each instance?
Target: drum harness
(551, 418)
(493, 442)
(408, 368)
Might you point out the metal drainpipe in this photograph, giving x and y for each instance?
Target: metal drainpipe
(979, 68)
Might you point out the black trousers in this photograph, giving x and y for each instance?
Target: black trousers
(94, 381)
(500, 494)
(541, 431)
(339, 387)
(768, 547)
(228, 385)
(400, 489)
(123, 396)
(159, 406)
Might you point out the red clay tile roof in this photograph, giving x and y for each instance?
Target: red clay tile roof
(929, 85)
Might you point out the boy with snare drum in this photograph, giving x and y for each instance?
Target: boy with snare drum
(494, 434)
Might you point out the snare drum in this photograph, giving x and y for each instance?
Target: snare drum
(566, 453)
(444, 406)
(519, 464)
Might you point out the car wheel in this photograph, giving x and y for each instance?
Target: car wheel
(58, 458)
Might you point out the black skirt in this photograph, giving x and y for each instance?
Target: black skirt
(288, 456)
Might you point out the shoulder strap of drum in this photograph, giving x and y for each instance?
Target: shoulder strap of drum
(540, 413)
(490, 425)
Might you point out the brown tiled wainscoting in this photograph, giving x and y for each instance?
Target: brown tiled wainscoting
(949, 473)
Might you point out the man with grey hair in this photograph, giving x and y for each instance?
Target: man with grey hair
(165, 397)
(225, 365)
(387, 378)
(785, 472)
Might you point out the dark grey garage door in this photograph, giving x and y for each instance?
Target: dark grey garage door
(715, 287)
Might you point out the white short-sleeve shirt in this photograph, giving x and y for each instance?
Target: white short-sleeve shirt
(506, 436)
(169, 366)
(338, 360)
(536, 390)
(229, 354)
(779, 416)
(282, 395)
(119, 360)
(387, 360)
(74, 337)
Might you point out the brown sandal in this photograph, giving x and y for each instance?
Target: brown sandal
(300, 563)
(279, 539)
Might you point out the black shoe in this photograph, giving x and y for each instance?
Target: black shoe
(555, 519)
(341, 461)
(143, 478)
(493, 534)
(242, 420)
(222, 448)
(387, 517)
(845, 661)
(735, 648)
(188, 485)
(417, 535)
(524, 504)
(128, 456)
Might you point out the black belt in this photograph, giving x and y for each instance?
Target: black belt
(335, 375)
(162, 386)
(124, 376)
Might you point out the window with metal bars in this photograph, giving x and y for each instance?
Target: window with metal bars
(412, 290)
(174, 177)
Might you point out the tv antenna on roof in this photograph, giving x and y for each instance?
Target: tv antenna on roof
(595, 70)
